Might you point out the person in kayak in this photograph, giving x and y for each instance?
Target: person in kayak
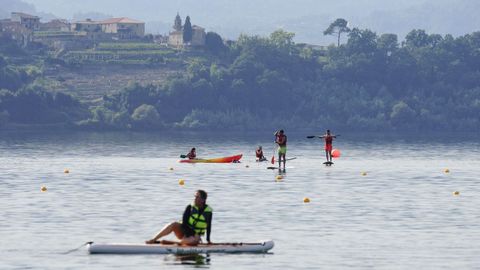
(192, 154)
(196, 221)
(281, 141)
(328, 137)
(259, 154)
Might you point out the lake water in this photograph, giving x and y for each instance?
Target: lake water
(401, 215)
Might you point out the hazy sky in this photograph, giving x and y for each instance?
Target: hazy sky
(307, 18)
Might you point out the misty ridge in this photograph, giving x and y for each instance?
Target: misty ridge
(306, 18)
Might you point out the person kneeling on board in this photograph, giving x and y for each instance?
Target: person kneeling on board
(197, 220)
(259, 154)
(192, 154)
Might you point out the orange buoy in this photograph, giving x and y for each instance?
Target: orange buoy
(336, 153)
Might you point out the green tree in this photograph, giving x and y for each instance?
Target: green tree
(282, 39)
(214, 43)
(402, 114)
(388, 43)
(187, 31)
(362, 41)
(145, 116)
(417, 38)
(338, 27)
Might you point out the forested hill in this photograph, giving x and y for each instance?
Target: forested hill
(373, 82)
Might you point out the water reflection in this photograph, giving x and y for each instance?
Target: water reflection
(196, 260)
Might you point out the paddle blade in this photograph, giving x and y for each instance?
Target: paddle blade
(310, 137)
(183, 156)
(273, 160)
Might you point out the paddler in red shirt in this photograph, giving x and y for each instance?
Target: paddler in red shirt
(259, 154)
(192, 154)
(328, 144)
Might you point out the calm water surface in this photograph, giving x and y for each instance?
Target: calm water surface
(401, 215)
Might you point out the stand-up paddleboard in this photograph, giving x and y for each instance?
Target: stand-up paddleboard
(287, 159)
(167, 247)
(328, 163)
(276, 168)
(231, 159)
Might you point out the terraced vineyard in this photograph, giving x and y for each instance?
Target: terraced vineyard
(109, 67)
(124, 53)
(91, 82)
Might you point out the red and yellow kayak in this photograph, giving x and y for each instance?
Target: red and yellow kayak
(231, 159)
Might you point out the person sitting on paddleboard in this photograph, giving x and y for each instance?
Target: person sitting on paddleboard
(328, 144)
(192, 154)
(197, 220)
(259, 154)
(281, 141)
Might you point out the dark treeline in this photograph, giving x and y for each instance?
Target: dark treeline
(372, 83)
(24, 99)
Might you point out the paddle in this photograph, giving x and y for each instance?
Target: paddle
(183, 156)
(273, 156)
(313, 136)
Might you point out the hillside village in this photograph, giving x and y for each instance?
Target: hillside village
(91, 58)
(26, 28)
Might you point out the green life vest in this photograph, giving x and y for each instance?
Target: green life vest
(197, 220)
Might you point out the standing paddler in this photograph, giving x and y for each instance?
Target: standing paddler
(328, 137)
(281, 141)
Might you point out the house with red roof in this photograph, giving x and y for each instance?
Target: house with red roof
(124, 28)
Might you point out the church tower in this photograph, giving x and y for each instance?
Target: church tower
(178, 23)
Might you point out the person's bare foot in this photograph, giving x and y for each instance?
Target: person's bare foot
(151, 241)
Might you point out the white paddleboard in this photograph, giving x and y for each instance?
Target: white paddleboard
(114, 248)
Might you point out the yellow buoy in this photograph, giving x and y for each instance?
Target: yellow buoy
(181, 182)
(43, 188)
(456, 193)
(364, 173)
(66, 171)
(306, 200)
(446, 171)
(279, 177)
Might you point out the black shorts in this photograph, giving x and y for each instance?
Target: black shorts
(187, 231)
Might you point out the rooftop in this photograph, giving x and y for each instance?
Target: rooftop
(120, 20)
(25, 15)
